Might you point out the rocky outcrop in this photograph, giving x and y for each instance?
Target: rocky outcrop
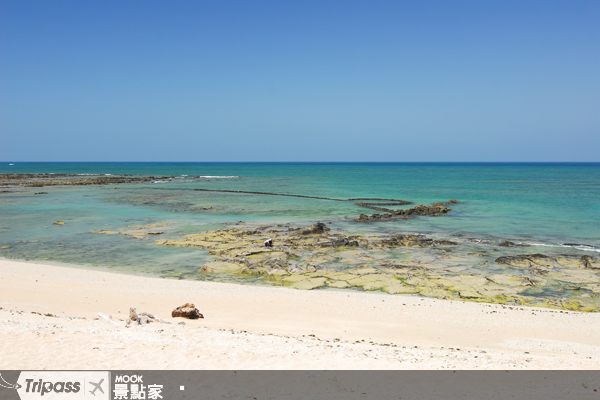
(541, 263)
(188, 310)
(315, 229)
(411, 241)
(40, 180)
(420, 210)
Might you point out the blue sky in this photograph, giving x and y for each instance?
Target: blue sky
(299, 81)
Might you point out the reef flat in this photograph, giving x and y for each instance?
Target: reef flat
(46, 179)
(314, 257)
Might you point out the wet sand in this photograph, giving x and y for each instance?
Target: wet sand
(256, 327)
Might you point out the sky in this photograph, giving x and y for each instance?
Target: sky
(306, 80)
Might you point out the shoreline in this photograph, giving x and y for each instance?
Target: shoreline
(259, 327)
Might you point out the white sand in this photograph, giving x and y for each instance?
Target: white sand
(253, 327)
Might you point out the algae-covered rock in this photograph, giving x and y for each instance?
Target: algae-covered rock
(400, 288)
(470, 294)
(303, 282)
(309, 284)
(590, 262)
(293, 279)
(338, 284)
(221, 267)
(137, 233)
(362, 270)
(576, 276)
(105, 232)
(150, 226)
(431, 291)
(373, 281)
(5, 247)
(321, 258)
(59, 223)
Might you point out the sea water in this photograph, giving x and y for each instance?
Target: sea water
(548, 207)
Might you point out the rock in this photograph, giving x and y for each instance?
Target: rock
(590, 262)
(317, 228)
(221, 267)
(520, 261)
(58, 223)
(412, 241)
(302, 268)
(5, 247)
(362, 270)
(188, 310)
(310, 284)
(506, 243)
(537, 261)
(469, 294)
(321, 258)
(373, 281)
(138, 234)
(399, 288)
(338, 284)
(450, 202)
(363, 218)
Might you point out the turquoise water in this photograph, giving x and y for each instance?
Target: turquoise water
(543, 205)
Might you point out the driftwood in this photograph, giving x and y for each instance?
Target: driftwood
(143, 318)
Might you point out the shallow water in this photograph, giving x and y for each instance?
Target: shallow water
(540, 205)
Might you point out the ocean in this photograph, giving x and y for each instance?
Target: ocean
(549, 208)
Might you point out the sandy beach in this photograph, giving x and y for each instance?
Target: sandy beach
(49, 320)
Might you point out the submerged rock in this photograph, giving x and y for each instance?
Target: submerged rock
(314, 229)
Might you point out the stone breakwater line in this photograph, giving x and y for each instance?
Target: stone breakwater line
(435, 210)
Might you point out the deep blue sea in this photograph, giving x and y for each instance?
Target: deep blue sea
(542, 205)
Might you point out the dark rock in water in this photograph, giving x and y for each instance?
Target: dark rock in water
(41, 193)
(453, 202)
(576, 244)
(188, 310)
(317, 228)
(506, 243)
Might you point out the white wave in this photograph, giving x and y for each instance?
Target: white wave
(183, 175)
(162, 181)
(578, 247)
(218, 177)
(107, 174)
(11, 164)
